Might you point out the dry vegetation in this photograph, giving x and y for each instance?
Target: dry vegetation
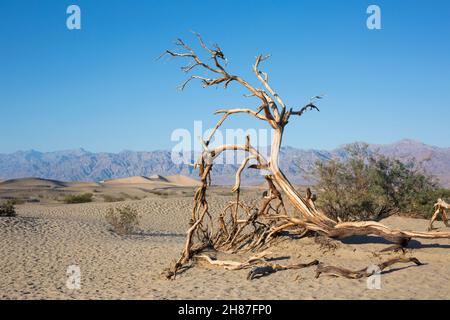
(368, 186)
(7, 209)
(123, 220)
(80, 198)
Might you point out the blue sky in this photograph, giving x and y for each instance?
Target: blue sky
(101, 88)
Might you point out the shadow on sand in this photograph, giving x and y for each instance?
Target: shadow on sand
(144, 234)
(413, 244)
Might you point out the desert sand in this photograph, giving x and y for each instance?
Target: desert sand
(47, 237)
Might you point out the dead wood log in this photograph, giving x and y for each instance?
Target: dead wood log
(235, 265)
(261, 271)
(440, 207)
(349, 274)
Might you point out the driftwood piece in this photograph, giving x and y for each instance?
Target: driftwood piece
(247, 228)
(261, 271)
(235, 265)
(349, 274)
(440, 207)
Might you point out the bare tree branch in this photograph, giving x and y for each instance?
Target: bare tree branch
(216, 54)
(237, 184)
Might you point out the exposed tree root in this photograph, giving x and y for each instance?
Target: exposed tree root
(349, 274)
(240, 227)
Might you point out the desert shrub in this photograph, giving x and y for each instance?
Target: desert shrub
(109, 198)
(7, 209)
(17, 201)
(188, 194)
(123, 220)
(81, 198)
(161, 193)
(367, 185)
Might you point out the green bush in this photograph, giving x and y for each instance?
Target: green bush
(81, 198)
(367, 185)
(7, 209)
(123, 220)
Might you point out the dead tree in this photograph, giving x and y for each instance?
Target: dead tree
(440, 207)
(241, 227)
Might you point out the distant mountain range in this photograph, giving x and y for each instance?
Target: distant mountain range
(81, 165)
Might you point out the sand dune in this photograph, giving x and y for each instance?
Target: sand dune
(82, 184)
(182, 181)
(25, 183)
(157, 177)
(52, 191)
(39, 183)
(177, 180)
(129, 180)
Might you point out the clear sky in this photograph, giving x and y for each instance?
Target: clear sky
(101, 88)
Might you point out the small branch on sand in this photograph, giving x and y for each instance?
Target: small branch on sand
(349, 274)
(261, 271)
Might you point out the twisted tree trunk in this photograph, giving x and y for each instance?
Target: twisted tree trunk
(315, 220)
(241, 227)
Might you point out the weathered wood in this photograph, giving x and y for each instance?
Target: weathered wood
(357, 274)
(261, 271)
(440, 207)
(235, 265)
